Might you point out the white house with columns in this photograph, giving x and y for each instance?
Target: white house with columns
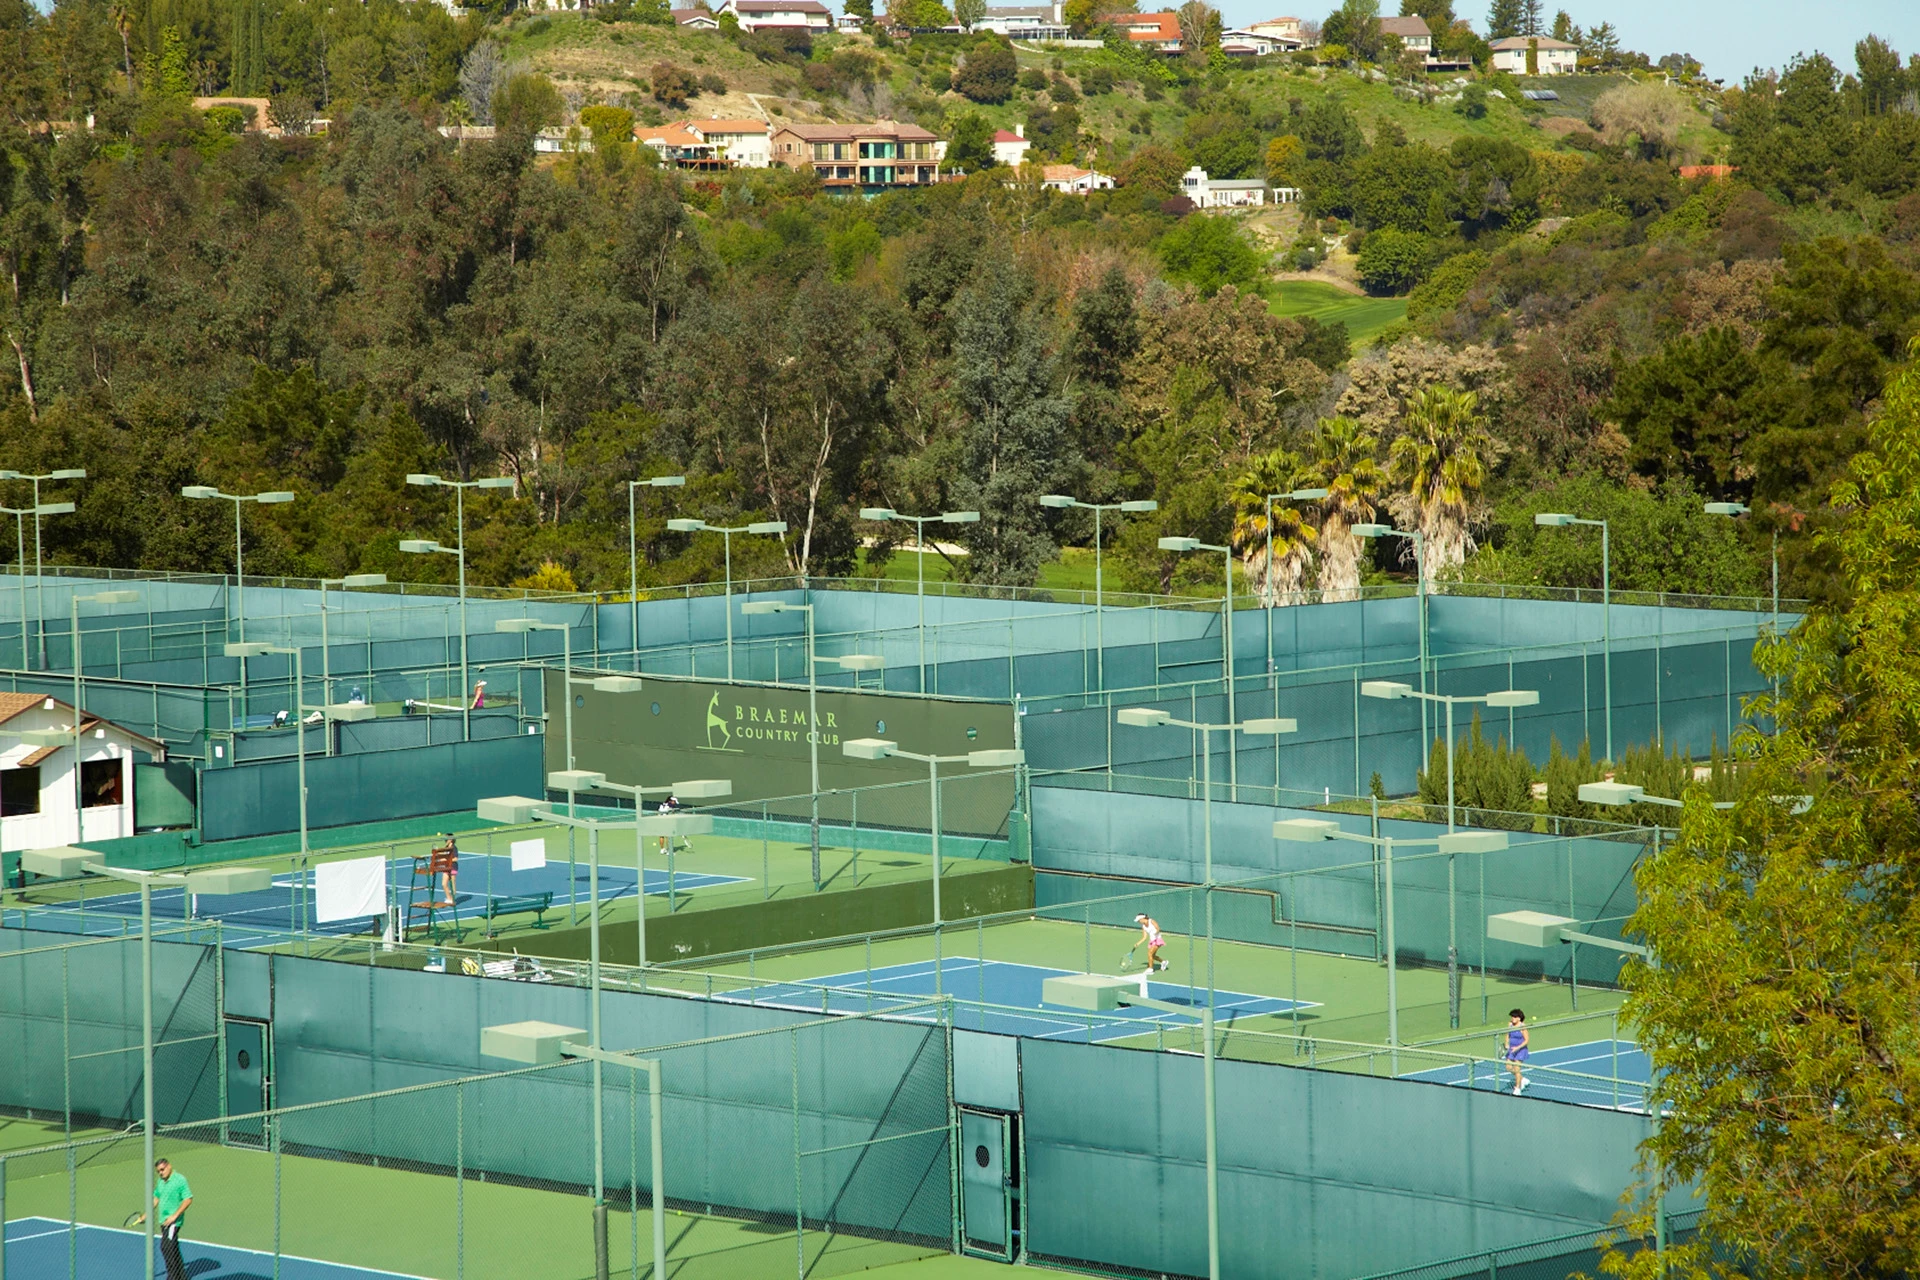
(40, 806)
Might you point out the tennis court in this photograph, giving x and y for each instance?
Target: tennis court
(1005, 998)
(483, 879)
(1596, 1073)
(46, 1247)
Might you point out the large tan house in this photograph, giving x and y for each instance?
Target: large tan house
(867, 157)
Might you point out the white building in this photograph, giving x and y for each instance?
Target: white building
(694, 18)
(1283, 29)
(1073, 180)
(1555, 57)
(744, 144)
(1010, 149)
(1025, 22)
(753, 15)
(37, 791)
(1222, 193)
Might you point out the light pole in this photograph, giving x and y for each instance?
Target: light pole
(228, 880)
(603, 684)
(541, 1043)
(920, 524)
(1741, 509)
(668, 825)
(39, 588)
(1313, 830)
(1620, 793)
(1226, 646)
(881, 748)
(98, 597)
(850, 662)
(1294, 495)
(1509, 698)
(421, 546)
(770, 528)
(347, 583)
(1150, 718)
(1062, 501)
(1560, 519)
(1391, 689)
(1419, 540)
(20, 515)
(349, 711)
(633, 551)
(239, 500)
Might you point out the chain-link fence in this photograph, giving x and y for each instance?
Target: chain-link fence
(778, 1159)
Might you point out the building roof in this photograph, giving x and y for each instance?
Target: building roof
(1164, 26)
(727, 126)
(1405, 27)
(850, 132)
(1237, 184)
(1042, 12)
(1505, 43)
(672, 135)
(1007, 135)
(779, 6)
(1067, 173)
(15, 704)
(1275, 22)
(682, 17)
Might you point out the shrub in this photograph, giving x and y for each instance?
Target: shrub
(673, 85)
(940, 80)
(1097, 81)
(1061, 90)
(711, 83)
(988, 73)
(1393, 261)
(1032, 80)
(1209, 253)
(1473, 102)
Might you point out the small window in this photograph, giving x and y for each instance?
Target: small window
(19, 791)
(100, 783)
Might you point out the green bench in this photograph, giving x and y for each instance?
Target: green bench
(538, 903)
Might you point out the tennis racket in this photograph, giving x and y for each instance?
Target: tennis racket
(1128, 958)
(134, 1219)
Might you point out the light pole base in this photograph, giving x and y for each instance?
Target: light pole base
(600, 1241)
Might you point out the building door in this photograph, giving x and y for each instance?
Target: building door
(989, 1182)
(249, 1069)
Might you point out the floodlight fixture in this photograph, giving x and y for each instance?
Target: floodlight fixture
(1385, 689)
(1143, 717)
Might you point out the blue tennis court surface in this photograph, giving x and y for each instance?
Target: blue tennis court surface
(288, 906)
(1004, 998)
(38, 1247)
(1598, 1073)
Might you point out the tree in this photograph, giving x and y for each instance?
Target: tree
(1199, 29)
(1355, 26)
(1882, 81)
(1209, 252)
(1686, 410)
(969, 12)
(1530, 18)
(988, 73)
(1152, 168)
(672, 85)
(969, 142)
(1505, 18)
(1600, 47)
(527, 103)
(1015, 439)
(1392, 261)
(1791, 1106)
(1345, 464)
(482, 73)
(1292, 538)
(1647, 113)
(1440, 460)
(1565, 29)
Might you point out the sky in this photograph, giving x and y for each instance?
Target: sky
(1729, 37)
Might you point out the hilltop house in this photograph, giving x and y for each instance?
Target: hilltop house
(1412, 33)
(758, 15)
(1025, 22)
(1073, 180)
(40, 805)
(1285, 30)
(743, 144)
(856, 156)
(694, 19)
(1010, 149)
(1555, 57)
(1158, 31)
(1222, 193)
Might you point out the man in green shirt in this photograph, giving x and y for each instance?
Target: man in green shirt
(171, 1196)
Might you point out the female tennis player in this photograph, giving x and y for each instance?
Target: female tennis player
(1516, 1053)
(1150, 934)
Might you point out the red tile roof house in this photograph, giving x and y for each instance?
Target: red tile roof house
(1155, 30)
(861, 157)
(1010, 149)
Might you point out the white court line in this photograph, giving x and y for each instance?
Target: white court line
(230, 1248)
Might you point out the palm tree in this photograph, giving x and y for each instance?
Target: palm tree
(1440, 460)
(1346, 465)
(1293, 538)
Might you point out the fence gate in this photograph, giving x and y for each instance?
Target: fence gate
(249, 1069)
(989, 1182)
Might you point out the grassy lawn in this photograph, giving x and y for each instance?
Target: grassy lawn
(1072, 572)
(1365, 318)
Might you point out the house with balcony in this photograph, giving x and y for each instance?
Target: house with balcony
(42, 803)
(1412, 33)
(1025, 22)
(743, 144)
(680, 147)
(757, 15)
(1286, 31)
(1222, 193)
(865, 157)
